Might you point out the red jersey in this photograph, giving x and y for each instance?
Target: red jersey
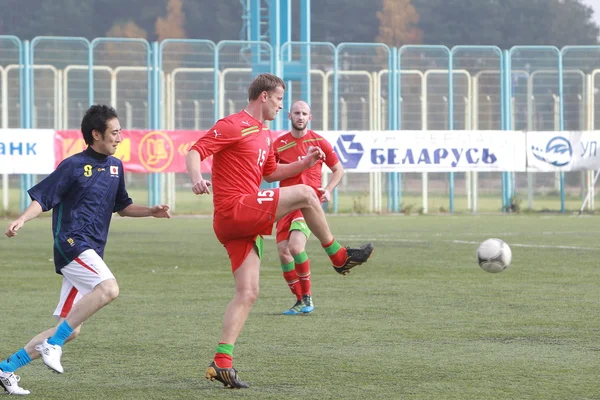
(289, 149)
(242, 151)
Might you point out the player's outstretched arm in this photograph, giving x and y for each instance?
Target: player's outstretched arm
(31, 212)
(284, 171)
(192, 164)
(133, 210)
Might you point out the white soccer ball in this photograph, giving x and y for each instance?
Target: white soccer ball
(493, 255)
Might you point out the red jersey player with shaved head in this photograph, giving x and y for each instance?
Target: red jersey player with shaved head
(292, 232)
(242, 156)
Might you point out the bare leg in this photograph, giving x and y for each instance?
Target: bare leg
(284, 253)
(39, 338)
(102, 294)
(304, 198)
(246, 292)
(89, 304)
(51, 350)
(297, 243)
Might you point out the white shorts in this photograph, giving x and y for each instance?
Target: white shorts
(80, 277)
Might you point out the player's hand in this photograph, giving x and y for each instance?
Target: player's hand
(13, 227)
(325, 195)
(314, 154)
(201, 187)
(160, 211)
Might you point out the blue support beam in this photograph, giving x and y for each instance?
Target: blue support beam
(450, 127)
(271, 21)
(305, 59)
(26, 77)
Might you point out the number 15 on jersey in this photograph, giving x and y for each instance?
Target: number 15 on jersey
(265, 195)
(262, 156)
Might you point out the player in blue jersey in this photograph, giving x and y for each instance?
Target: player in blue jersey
(83, 193)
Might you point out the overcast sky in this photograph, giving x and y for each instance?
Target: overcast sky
(595, 4)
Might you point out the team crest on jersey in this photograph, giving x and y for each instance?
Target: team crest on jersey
(71, 242)
(114, 170)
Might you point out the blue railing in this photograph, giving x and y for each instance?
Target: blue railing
(352, 86)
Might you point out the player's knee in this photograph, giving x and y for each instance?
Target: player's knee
(249, 295)
(109, 290)
(296, 249)
(284, 254)
(310, 196)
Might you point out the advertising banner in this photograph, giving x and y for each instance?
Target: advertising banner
(26, 151)
(429, 151)
(140, 150)
(39, 151)
(562, 151)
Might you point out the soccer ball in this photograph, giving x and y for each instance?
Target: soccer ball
(493, 255)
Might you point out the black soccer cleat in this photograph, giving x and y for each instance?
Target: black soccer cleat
(355, 258)
(227, 376)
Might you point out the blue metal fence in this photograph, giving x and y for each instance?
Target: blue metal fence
(188, 84)
(11, 99)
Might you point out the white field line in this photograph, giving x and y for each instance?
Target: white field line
(489, 234)
(532, 246)
(465, 242)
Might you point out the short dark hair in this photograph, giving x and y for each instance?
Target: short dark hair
(264, 83)
(95, 119)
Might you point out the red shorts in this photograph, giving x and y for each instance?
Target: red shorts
(251, 215)
(285, 223)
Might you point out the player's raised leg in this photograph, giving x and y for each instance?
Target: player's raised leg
(91, 277)
(8, 379)
(51, 348)
(303, 197)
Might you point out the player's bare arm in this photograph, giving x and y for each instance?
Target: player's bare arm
(284, 171)
(158, 211)
(31, 212)
(192, 164)
(336, 176)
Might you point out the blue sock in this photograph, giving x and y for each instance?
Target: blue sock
(61, 335)
(16, 361)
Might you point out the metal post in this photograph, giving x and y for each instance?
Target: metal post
(506, 100)
(26, 116)
(562, 126)
(451, 125)
(154, 86)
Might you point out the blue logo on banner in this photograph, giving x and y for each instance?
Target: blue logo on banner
(558, 152)
(349, 152)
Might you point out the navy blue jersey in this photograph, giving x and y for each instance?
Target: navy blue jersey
(82, 193)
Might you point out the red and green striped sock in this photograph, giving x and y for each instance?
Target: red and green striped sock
(224, 355)
(291, 277)
(303, 271)
(336, 252)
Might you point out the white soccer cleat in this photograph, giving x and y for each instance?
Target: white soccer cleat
(51, 355)
(10, 382)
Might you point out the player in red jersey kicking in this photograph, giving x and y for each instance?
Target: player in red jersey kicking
(292, 231)
(242, 155)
